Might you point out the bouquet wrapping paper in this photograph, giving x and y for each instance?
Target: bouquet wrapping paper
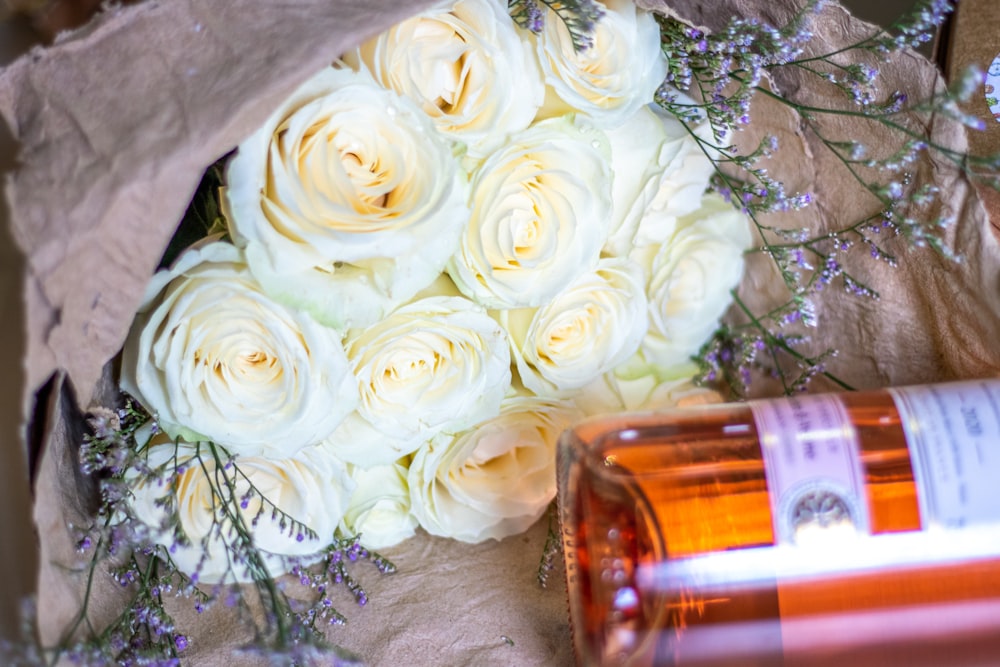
(972, 39)
(116, 123)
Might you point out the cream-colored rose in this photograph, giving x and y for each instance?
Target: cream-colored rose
(589, 328)
(311, 489)
(379, 509)
(347, 200)
(690, 278)
(612, 79)
(540, 214)
(214, 358)
(493, 480)
(466, 65)
(614, 393)
(658, 165)
(683, 183)
(438, 363)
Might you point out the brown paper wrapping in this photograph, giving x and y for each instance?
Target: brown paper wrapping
(117, 123)
(973, 39)
(18, 555)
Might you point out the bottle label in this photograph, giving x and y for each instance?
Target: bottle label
(953, 433)
(813, 468)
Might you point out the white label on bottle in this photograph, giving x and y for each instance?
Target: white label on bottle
(953, 432)
(813, 468)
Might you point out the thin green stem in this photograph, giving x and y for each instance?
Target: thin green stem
(258, 568)
(776, 342)
(68, 634)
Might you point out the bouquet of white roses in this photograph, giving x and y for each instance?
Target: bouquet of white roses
(441, 251)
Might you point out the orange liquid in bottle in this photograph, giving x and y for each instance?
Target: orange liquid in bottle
(672, 558)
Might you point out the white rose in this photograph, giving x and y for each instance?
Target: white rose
(690, 280)
(309, 490)
(683, 183)
(589, 328)
(657, 165)
(347, 199)
(493, 480)
(379, 509)
(540, 214)
(466, 65)
(609, 81)
(614, 393)
(437, 363)
(214, 358)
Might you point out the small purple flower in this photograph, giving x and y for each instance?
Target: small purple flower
(536, 19)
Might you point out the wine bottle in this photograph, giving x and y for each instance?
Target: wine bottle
(841, 529)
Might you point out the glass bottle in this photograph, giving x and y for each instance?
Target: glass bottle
(848, 529)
